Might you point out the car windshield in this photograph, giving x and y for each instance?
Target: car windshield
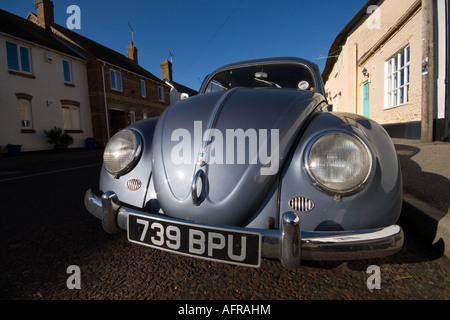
(283, 75)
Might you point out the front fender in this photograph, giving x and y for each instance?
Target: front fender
(377, 205)
(142, 171)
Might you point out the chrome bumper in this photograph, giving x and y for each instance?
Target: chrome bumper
(287, 244)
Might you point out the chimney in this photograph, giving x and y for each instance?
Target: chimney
(132, 52)
(45, 15)
(166, 70)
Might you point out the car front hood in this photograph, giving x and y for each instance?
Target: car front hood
(239, 139)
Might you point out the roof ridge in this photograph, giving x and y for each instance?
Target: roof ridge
(24, 29)
(125, 63)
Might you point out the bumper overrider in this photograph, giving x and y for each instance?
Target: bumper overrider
(288, 244)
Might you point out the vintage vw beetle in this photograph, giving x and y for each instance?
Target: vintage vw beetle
(254, 166)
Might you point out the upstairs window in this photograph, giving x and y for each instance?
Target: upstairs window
(67, 70)
(397, 89)
(143, 89)
(161, 94)
(18, 57)
(116, 80)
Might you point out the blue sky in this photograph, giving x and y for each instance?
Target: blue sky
(203, 35)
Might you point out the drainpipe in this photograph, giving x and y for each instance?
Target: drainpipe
(447, 73)
(106, 102)
(356, 78)
(427, 71)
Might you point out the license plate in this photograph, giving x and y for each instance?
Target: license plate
(211, 243)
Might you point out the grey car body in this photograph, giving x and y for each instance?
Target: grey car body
(254, 166)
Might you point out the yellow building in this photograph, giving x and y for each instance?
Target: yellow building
(375, 66)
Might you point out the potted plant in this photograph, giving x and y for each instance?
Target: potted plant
(58, 138)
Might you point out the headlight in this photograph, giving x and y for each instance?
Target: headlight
(338, 162)
(122, 152)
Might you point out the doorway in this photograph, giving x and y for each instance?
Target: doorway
(117, 120)
(366, 106)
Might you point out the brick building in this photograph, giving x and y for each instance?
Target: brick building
(375, 66)
(120, 91)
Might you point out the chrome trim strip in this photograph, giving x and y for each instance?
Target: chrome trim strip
(287, 244)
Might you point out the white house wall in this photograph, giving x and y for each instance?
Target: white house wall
(441, 59)
(47, 91)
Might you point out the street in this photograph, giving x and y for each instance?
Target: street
(51, 248)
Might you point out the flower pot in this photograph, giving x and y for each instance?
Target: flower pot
(14, 149)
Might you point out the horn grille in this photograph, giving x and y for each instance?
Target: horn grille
(301, 204)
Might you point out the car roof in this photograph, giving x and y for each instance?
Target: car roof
(310, 65)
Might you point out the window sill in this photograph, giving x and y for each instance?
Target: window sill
(397, 106)
(28, 131)
(73, 131)
(25, 75)
(71, 85)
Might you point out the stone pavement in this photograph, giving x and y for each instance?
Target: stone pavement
(426, 185)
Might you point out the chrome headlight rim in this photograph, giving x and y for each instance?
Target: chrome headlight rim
(135, 154)
(347, 192)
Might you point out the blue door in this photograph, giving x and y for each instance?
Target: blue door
(366, 111)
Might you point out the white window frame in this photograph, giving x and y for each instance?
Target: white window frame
(19, 58)
(117, 75)
(161, 94)
(397, 93)
(143, 89)
(71, 120)
(30, 125)
(70, 71)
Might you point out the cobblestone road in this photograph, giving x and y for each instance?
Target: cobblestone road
(44, 229)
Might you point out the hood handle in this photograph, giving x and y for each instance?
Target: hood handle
(198, 199)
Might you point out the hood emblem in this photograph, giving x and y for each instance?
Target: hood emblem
(202, 159)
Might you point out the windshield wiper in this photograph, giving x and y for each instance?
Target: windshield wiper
(268, 82)
(219, 85)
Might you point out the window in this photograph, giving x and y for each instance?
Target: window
(143, 90)
(18, 57)
(336, 103)
(25, 115)
(161, 94)
(397, 87)
(71, 118)
(116, 80)
(67, 69)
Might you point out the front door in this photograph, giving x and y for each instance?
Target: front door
(117, 120)
(366, 111)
